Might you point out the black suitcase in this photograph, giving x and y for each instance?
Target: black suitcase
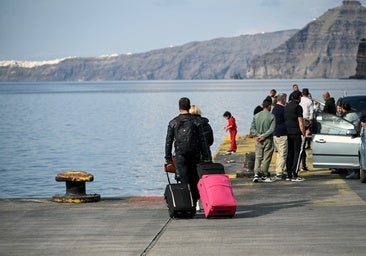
(210, 168)
(179, 200)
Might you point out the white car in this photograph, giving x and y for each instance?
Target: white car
(337, 144)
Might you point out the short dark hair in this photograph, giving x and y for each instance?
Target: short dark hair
(184, 103)
(363, 117)
(305, 92)
(266, 103)
(346, 106)
(227, 114)
(296, 95)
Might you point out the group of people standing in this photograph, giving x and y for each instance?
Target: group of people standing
(284, 126)
(278, 123)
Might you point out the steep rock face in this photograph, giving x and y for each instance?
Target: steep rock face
(361, 60)
(325, 48)
(221, 58)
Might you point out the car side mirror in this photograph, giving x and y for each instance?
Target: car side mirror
(351, 132)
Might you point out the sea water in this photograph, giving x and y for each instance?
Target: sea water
(116, 130)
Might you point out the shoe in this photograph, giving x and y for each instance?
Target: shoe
(288, 179)
(338, 171)
(281, 177)
(228, 152)
(353, 175)
(256, 179)
(297, 179)
(198, 207)
(268, 179)
(305, 169)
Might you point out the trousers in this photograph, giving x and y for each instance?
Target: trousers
(295, 147)
(263, 155)
(187, 171)
(281, 146)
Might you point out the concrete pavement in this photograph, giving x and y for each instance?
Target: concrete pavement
(324, 215)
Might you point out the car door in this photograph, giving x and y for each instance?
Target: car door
(336, 143)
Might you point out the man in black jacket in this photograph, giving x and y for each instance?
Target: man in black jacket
(294, 121)
(186, 131)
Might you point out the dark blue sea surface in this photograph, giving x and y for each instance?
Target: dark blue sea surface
(116, 130)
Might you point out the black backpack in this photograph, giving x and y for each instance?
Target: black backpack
(186, 137)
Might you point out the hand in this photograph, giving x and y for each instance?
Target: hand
(260, 138)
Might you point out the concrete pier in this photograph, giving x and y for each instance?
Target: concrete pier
(324, 215)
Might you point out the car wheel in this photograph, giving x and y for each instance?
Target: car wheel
(363, 176)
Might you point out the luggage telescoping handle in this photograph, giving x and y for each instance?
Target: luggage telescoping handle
(167, 175)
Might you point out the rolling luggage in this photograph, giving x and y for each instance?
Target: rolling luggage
(179, 200)
(210, 168)
(217, 195)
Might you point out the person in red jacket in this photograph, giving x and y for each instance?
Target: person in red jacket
(231, 127)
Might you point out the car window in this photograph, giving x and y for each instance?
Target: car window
(358, 103)
(332, 125)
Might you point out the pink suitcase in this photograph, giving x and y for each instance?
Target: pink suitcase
(217, 195)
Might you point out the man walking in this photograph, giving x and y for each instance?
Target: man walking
(262, 128)
(186, 131)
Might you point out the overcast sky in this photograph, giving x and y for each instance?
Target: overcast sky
(51, 29)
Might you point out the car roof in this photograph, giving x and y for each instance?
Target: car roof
(357, 102)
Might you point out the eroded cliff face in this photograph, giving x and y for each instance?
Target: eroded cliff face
(361, 60)
(324, 48)
(221, 58)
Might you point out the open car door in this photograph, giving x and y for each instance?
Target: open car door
(336, 143)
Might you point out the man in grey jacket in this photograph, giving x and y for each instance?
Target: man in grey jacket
(262, 127)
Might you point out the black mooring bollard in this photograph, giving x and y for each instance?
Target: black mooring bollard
(75, 188)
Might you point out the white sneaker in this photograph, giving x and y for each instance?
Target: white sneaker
(198, 207)
(297, 179)
(268, 179)
(255, 180)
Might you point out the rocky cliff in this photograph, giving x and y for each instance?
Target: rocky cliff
(222, 58)
(361, 60)
(324, 48)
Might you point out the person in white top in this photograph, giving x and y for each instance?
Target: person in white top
(307, 105)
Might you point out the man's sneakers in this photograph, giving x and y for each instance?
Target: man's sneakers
(281, 177)
(257, 179)
(297, 179)
(268, 179)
